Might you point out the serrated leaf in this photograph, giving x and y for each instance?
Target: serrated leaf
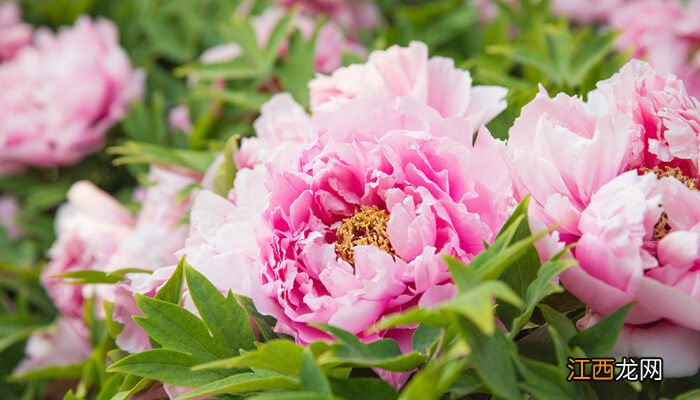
(424, 337)
(171, 291)
(558, 322)
(176, 329)
(225, 318)
(264, 323)
(167, 366)
(592, 52)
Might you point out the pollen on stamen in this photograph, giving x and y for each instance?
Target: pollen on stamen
(366, 227)
(662, 228)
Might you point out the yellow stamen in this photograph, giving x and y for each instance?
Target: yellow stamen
(366, 227)
(662, 228)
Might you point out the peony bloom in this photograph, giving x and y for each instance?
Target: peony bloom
(409, 73)
(669, 40)
(62, 94)
(63, 343)
(640, 242)
(14, 34)
(283, 130)
(330, 45)
(179, 119)
(351, 14)
(355, 228)
(586, 11)
(132, 338)
(9, 208)
(89, 229)
(95, 232)
(618, 176)
(668, 117)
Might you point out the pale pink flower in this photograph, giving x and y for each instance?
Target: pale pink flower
(95, 232)
(350, 14)
(284, 235)
(669, 40)
(640, 241)
(282, 131)
(9, 208)
(331, 42)
(89, 230)
(587, 11)
(132, 338)
(14, 34)
(408, 72)
(179, 118)
(581, 163)
(62, 344)
(61, 95)
(668, 117)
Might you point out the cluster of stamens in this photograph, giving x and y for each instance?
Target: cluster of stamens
(366, 227)
(662, 228)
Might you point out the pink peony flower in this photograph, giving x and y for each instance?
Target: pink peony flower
(132, 338)
(9, 208)
(408, 72)
(62, 94)
(14, 34)
(668, 117)
(582, 163)
(179, 118)
(330, 45)
(89, 229)
(356, 227)
(95, 232)
(62, 344)
(351, 14)
(283, 130)
(640, 242)
(587, 11)
(669, 40)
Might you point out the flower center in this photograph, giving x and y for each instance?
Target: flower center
(366, 227)
(662, 228)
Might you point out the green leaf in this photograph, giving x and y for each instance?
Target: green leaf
(226, 174)
(558, 322)
(177, 329)
(245, 99)
(88, 276)
(278, 355)
(225, 318)
(491, 356)
(145, 153)
(691, 395)
(540, 288)
(72, 371)
(245, 382)
(264, 323)
(298, 67)
(363, 388)
(384, 353)
(425, 337)
(312, 379)
(433, 380)
(544, 381)
(132, 384)
(593, 52)
(290, 396)
(279, 34)
(167, 366)
(171, 291)
(236, 69)
(599, 339)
